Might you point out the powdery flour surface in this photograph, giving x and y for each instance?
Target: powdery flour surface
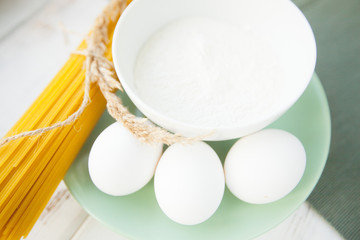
(207, 73)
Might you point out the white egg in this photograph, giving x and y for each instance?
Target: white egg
(119, 163)
(189, 182)
(265, 166)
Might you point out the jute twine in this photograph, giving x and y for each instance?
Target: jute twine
(101, 71)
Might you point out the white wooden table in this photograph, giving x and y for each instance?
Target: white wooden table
(36, 37)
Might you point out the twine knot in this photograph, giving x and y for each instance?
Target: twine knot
(100, 71)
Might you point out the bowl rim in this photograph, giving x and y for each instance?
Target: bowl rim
(149, 110)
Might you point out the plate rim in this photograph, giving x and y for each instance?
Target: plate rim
(319, 90)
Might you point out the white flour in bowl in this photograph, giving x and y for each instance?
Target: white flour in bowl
(207, 73)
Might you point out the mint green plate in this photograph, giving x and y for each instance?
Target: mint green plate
(138, 215)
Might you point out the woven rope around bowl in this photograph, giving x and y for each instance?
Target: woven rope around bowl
(101, 71)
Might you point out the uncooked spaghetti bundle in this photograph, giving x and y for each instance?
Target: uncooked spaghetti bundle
(53, 130)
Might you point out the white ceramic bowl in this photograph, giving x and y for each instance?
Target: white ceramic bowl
(280, 22)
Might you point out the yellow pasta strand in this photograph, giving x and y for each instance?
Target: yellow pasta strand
(32, 143)
(34, 164)
(32, 167)
(56, 168)
(30, 119)
(51, 173)
(26, 173)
